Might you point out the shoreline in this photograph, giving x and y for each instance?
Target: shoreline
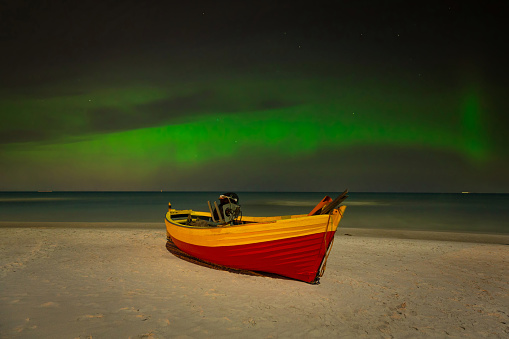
(472, 237)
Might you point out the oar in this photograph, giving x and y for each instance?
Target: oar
(335, 203)
(211, 212)
(219, 213)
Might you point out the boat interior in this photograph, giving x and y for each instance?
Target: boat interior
(230, 214)
(203, 219)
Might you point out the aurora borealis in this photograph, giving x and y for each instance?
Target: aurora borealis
(237, 96)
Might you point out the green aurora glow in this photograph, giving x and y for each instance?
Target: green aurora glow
(193, 142)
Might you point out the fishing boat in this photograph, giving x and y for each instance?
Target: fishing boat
(293, 246)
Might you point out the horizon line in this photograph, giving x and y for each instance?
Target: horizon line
(245, 191)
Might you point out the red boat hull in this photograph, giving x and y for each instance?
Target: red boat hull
(298, 257)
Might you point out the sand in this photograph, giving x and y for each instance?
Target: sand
(107, 282)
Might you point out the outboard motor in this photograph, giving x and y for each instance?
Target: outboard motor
(229, 207)
(231, 212)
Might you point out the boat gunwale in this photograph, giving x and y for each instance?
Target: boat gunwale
(250, 220)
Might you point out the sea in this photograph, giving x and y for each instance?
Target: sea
(456, 212)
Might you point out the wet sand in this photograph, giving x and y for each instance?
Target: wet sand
(114, 280)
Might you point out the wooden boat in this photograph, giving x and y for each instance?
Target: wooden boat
(294, 246)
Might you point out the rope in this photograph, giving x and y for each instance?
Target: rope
(322, 269)
(324, 264)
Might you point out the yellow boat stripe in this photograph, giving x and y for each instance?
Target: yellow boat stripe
(255, 233)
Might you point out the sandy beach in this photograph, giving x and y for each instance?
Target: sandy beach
(120, 281)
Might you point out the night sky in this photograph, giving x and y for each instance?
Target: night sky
(389, 96)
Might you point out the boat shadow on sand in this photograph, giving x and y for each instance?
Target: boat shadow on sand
(173, 249)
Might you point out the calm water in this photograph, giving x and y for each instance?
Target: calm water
(486, 213)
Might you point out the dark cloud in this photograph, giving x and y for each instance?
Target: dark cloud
(210, 101)
(23, 135)
(168, 111)
(108, 119)
(42, 123)
(164, 110)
